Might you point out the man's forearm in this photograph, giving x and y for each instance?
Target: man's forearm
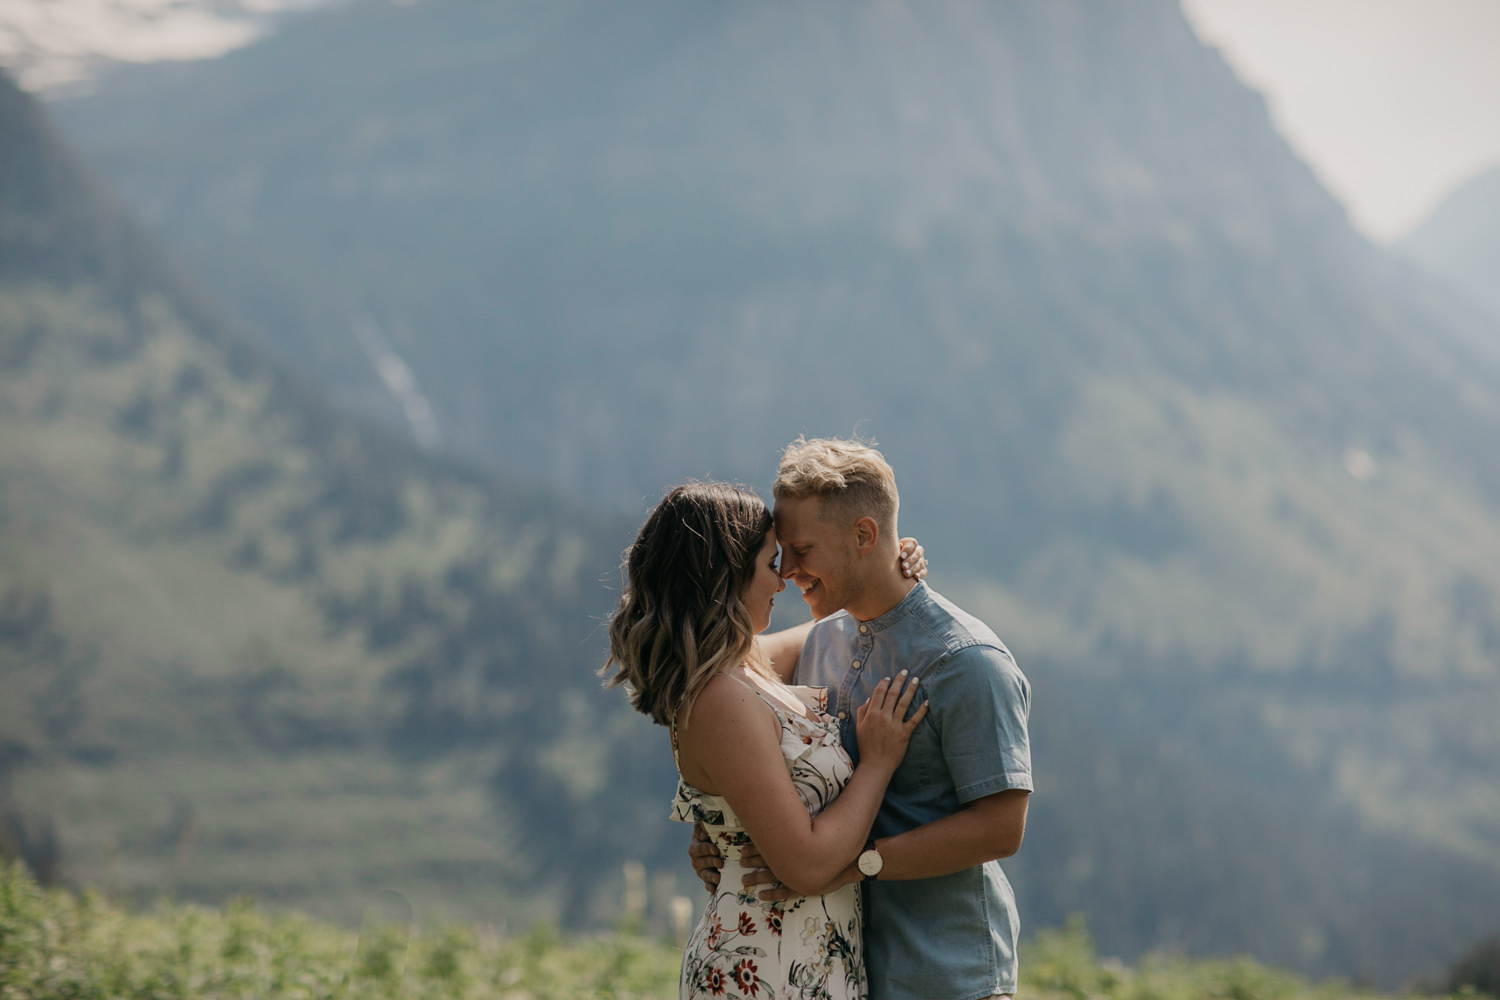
(784, 648)
(985, 830)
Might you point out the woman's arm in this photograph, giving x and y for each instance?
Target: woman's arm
(734, 739)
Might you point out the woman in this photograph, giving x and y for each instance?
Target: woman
(757, 759)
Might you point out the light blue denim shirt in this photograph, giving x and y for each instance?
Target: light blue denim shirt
(950, 937)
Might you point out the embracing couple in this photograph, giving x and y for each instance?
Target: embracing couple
(853, 780)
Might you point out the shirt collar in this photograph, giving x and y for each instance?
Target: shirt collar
(917, 595)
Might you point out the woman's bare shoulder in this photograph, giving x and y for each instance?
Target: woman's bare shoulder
(727, 704)
(724, 695)
(729, 724)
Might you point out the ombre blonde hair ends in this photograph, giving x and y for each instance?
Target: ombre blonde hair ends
(682, 615)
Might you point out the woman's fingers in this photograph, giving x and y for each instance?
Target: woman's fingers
(888, 695)
(904, 702)
(913, 559)
(892, 698)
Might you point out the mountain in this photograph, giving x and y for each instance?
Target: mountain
(1171, 418)
(1219, 471)
(248, 643)
(1460, 240)
(252, 646)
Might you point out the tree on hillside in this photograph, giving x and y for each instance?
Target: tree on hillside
(1478, 969)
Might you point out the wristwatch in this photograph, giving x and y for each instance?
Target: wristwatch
(870, 862)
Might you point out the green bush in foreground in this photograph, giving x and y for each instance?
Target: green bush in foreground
(1061, 965)
(55, 944)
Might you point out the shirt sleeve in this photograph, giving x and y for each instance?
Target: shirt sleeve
(980, 702)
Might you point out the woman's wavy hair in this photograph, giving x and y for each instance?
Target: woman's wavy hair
(682, 614)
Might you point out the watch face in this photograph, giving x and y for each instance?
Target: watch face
(870, 862)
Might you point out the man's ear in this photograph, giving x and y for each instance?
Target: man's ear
(866, 535)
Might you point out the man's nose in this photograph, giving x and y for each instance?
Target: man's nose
(788, 566)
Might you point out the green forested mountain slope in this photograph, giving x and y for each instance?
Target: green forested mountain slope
(250, 645)
(1186, 437)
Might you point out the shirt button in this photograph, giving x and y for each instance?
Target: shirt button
(863, 629)
(842, 716)
(856, 664)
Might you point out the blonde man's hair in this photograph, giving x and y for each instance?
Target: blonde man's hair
(851, 477)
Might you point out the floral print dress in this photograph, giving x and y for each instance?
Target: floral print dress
(807, 947)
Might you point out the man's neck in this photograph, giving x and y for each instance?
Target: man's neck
(880, 596)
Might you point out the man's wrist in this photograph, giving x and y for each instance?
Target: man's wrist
(870, 862)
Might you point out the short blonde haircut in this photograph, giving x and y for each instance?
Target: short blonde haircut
(851, 477)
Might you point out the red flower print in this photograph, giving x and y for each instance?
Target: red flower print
(747, 926)
(744, 976)
(714, 980)
(773, 922)
(715, 932)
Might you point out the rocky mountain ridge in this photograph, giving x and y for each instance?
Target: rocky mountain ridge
(1458, 242)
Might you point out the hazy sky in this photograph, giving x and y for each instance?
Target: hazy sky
(1392, 102)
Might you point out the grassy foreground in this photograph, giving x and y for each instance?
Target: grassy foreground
(57, 944)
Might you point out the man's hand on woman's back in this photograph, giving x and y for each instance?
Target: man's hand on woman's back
(705, 857)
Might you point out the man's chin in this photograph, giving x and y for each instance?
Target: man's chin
(816, 607)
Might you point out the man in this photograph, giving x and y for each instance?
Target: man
(940, 916)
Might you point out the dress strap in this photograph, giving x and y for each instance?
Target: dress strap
(781, 712)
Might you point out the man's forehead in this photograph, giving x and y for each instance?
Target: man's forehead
(799, 517)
